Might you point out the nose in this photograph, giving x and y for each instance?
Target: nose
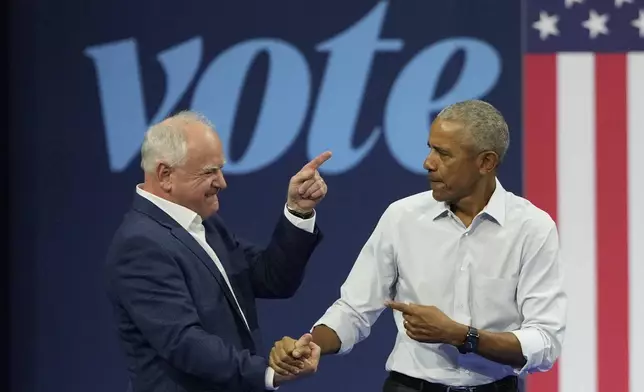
(220, 181)
(430, 163)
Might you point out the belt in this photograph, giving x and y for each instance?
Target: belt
(508, 384)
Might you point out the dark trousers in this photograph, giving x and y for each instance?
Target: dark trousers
(392, 385)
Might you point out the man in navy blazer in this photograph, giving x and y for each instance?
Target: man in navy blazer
(183, 287)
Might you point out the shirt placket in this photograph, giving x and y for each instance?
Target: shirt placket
(462, 282)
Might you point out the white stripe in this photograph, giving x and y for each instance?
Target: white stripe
(576, 217)
(636, 216)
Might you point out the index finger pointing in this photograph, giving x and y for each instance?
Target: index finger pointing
(399, 306)
(318, 161)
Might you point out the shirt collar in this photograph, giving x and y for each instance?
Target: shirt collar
(183, 215)
(494, 209)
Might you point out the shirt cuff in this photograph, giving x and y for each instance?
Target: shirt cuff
(268, 379)
(304, 224)
(533, 347)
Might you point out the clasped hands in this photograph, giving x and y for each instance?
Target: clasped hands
(292, 359)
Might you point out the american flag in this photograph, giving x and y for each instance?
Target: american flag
(584, 164)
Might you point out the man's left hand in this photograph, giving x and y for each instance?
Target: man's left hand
(428, 324)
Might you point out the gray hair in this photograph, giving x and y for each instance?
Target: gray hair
(166, 141)
(484, 122)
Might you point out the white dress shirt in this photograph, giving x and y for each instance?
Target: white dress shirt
(502, 273)
(193, 224)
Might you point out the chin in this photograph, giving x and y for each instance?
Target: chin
(212, 204)
(208, 211)
(213, 210)
(207, 214)
(438, 195)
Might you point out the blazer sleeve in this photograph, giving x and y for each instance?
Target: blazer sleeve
(150, 285)
(278, 269)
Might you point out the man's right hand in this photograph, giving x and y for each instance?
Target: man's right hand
(291, 359)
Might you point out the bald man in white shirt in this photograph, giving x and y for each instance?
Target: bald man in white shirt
(472, 272)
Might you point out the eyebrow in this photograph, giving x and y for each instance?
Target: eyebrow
(439, 149)
(212, 168)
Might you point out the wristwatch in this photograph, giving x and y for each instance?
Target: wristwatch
(302, 215)
(471, 343)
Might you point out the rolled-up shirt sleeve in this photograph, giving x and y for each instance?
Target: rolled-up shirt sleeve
(365, 290)
(542, 301)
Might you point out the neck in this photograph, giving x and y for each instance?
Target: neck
(471, 205)
(155, 189)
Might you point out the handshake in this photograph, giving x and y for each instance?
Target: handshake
(292, 359)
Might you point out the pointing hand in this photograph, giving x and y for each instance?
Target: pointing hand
(307, 188)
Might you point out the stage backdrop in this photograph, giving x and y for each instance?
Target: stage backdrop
(282, 81)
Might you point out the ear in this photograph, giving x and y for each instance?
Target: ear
(164, 176)
(488, 162)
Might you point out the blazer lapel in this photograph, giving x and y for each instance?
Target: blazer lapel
(217, 244)
(192, 244)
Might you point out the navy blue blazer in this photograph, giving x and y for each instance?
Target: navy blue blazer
(176, 318)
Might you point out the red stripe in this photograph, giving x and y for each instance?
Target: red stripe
(612, 217)
(540, 158)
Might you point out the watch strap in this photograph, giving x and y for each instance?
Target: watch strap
(471, 343)
(301, 215)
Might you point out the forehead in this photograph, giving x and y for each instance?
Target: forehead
(446, 133)
(204, 146)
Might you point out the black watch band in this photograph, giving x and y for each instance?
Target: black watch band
(301, 215)
(471, 343)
